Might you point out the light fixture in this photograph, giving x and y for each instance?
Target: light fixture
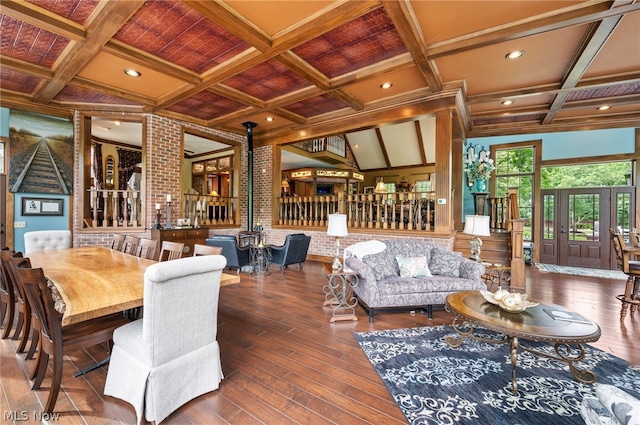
(380, 187)
(515, 54)
(117, 122)
(285, 185)
(214, 194)
(476, 225)
(337, 228)
(270, 119)
(507, 102)
(385, 86)
(132, 72)
(604, 107)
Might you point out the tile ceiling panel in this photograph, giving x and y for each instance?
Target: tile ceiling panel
(206, 106)
(509, 119)
(316, 106)
(176, 33)
(17, 81)
(267, 81)
(73, 94)
(76, 10)
(608, 91)
(23, 41)
(354, 45)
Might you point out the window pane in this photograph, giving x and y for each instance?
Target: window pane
(514, 161)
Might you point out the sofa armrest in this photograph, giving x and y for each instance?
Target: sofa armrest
(472, 270)
(365, 271)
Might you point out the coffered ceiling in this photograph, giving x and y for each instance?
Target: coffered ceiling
(316, 67)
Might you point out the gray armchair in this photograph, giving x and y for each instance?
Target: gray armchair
(294, 250)
(237, 256)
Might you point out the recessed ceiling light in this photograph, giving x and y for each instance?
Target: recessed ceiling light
(385, 86)
(116, 122)
(132, 72)
(270, 119)
(507, 102)
(515, 54)
(604, 107)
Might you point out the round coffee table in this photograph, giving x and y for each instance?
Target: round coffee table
(535, 324)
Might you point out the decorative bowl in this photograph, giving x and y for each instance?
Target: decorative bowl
(508, 301)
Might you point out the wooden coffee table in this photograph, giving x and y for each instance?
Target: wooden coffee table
(533, 324)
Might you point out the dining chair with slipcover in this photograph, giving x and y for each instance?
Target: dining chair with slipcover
(45, 240)
(171, 355)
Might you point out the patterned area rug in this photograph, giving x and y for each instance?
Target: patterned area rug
(436, 384)
(607, 274)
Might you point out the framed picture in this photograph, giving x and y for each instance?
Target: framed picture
(369, 189)
(41, 206)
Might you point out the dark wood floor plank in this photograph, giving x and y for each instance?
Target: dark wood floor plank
(285, 363)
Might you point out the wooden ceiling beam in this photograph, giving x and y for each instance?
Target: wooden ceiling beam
(220, 13)
(581, 13)
(24, 102)
(406, 23)
(593, 43)
(99, 31)
(383, 147)
(25, 67)
(42, 18)
(240, 97)
(121, 50)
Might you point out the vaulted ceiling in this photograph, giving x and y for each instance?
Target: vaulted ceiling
(316, 67)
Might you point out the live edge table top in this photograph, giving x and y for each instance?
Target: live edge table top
(532, 324)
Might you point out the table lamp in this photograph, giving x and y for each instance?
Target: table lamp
(338, 228)
(476, 225)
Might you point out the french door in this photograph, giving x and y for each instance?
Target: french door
(576, 222)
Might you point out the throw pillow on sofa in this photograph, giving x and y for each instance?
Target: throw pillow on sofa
(445, 263)
(383, 264)
(413, 267)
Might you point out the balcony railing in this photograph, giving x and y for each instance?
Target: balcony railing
(390, 211)
(114, 208)
(402, 211)
(209, 210)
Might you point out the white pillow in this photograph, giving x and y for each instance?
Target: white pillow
(413, 267)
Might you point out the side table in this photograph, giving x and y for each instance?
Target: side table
(496, 273)
(338, 293)
(260, 258)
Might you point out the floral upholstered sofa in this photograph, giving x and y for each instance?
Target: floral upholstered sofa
(411, 274)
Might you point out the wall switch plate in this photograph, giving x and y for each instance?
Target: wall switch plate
(442, 201)
(19, 224)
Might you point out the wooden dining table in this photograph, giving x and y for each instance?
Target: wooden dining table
(95, 281)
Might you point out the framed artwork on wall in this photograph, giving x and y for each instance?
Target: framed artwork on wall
(41, 206)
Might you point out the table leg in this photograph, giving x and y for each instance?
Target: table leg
(339, 296)
(513, 345)
(565, 353)
(92, 367)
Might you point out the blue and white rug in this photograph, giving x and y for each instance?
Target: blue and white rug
(436, 384)
(581, 271)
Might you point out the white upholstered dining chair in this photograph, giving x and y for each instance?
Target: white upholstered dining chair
(171, 355)
(44, 240)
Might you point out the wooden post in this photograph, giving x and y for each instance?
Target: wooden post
(518, 280)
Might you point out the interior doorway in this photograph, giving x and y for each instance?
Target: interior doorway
(575, 224)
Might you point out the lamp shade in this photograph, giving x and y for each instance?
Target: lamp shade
(213, 193)
(337, 225)
(477, 225)
(380, 187)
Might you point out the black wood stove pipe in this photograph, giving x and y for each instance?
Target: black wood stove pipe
(249, 126)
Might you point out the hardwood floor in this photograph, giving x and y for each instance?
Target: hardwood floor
(284, 363)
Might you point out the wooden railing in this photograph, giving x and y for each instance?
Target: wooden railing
(209, 210)
(503, 210)
(115, 208)
(402, 211)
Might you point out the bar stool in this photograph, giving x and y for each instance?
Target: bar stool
(630, 298)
